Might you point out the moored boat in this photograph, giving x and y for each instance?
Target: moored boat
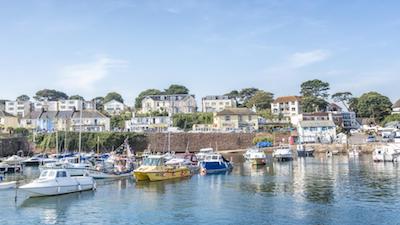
(215, 163)
(282, 154)
(57, 182)
(7, 185)
(303, 151)
(203, 153)
(255, 156)
(155, 169)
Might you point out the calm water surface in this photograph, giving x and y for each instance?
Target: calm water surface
(337, 190)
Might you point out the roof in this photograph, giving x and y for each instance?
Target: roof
(284, 99)
(65, 114)
(317, 123)
(236, 111)
(5, 114)
(396, 104)
(33, 115)
(88, 114)
(217, 97)
(49, 115)
(168, 97)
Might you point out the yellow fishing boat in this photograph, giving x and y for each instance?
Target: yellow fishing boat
(154, 169)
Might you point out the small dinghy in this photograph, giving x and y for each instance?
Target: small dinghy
(57, 182)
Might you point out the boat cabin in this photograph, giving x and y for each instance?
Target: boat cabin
(53, 174)
(154, 160)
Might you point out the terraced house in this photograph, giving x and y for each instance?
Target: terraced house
(172, 104)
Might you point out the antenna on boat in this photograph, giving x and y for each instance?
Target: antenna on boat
(80, 133)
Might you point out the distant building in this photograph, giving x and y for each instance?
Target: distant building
(236, 119)
(114, 107)
(316, 131)
(396, 107)
(92, 121)
(45, 106)
(217, 103)
(50, 121)
(2, 105)
(7, 120)
(349, 121)
(172, 104)
(18, 108)
(148, 124)
(334, 108)
(286, 107)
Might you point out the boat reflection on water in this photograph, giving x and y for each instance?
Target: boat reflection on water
(54, 210)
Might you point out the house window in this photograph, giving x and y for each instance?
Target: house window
(227, 118)
(240, 118)
(313, 129)
(250, 118)
(324, 128)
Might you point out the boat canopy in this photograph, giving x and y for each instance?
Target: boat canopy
(153, 161)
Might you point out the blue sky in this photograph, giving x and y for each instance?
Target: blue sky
(212, 47)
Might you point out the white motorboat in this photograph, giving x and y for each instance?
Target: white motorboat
(203, 153)
(74, 169)
(255, 156)
(57, 182)
(282, 154)
(388, 153)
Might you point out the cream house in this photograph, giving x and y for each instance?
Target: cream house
(216, 103)
(7, 120)
(90, 121)
(236, 119)
(114, 107)
(172, 104)
(316, 131)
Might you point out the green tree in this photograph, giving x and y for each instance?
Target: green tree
(261, 99)
(315, 88)
(353, 104)
(374, 105)
(314, 94)
(175, 89)
(113, 96)
(391, 118)
(50, 95)
(233, 94)
(99, 101)
(243, 96)
(343, 97)
(23, 98)
(138, 100)
(187, 120)
(266, 114)
(76, 97)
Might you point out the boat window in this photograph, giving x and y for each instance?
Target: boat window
(44, 174)
(215, 157)
(152, 162)
(61, 174)
(51, 174)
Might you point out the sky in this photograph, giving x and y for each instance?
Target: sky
(92, 47)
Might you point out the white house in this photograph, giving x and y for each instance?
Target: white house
(286, 106)
(92, 121)
(172, 104)
(114, 107)
(217, 103)
(45, 106)
(18, 108)
(316, 131)
(148, 124)
(396, 107)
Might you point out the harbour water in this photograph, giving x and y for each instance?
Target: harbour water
(318, 190)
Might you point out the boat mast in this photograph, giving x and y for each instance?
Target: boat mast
(56, 141)
(80, 133)
(169, 142)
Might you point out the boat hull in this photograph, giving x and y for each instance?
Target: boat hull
(52, 189)
(305, 153)
(101, 175)
(257, 161)
(215, 167)
(162, 175)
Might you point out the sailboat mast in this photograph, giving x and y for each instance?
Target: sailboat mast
(80, 133)
(56, 141)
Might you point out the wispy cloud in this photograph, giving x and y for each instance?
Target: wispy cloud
(84, 77)
(300, 59)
